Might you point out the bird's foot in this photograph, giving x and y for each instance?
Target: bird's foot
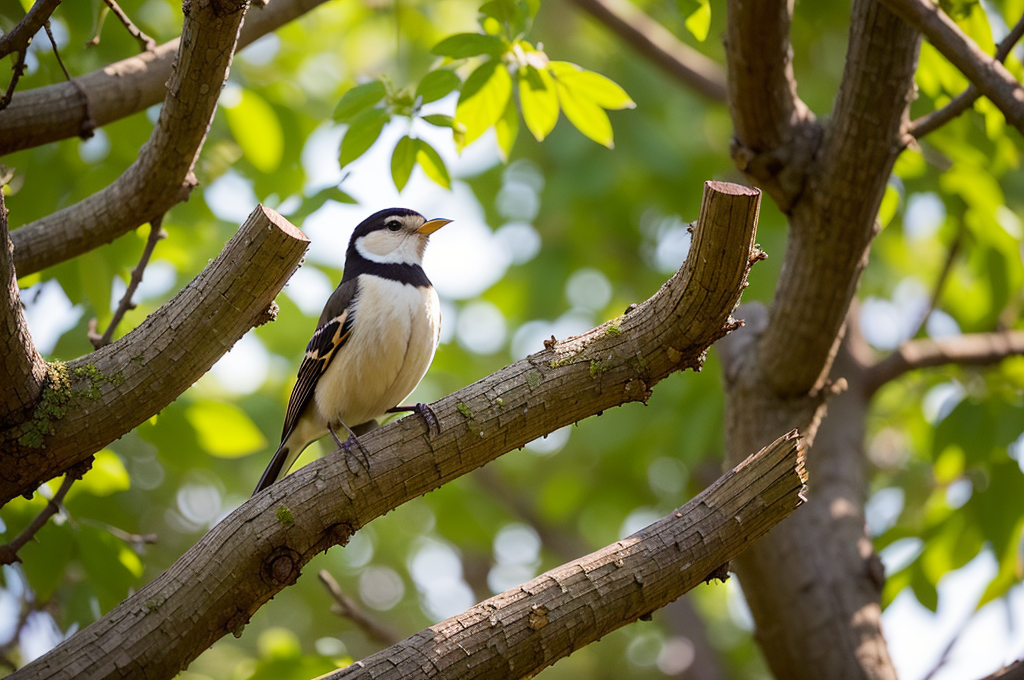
(351, 443)
(425, 412)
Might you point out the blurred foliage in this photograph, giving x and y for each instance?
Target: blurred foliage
(580, 232)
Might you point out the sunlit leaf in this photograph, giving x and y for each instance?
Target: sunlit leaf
(589, 85)
(95, 278)
(507, 128)
(362, 132)
(437, 84)
(890, 204)
(440, 120)
(359, 99)
(464, 45)
(403, 160)
(256, 128)
(699, 22)
(224, 430)
(432, 165)
(483, 100)
(106, 476)
(539, 101)
(587, 116)
(317, 201)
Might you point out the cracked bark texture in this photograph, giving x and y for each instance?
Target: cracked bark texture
(71, 109)
(91, 401)
(813, 582)
(20, 358)
(252, 554)
(162, 175)
(524, 630)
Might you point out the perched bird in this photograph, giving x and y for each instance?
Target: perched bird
(373, 342)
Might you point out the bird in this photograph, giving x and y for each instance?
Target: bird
(373, 342)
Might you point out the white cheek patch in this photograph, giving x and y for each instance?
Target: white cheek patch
(390, 247)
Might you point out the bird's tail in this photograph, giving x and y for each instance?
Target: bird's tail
(283, 458)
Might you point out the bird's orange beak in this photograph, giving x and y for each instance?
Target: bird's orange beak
(430, 226)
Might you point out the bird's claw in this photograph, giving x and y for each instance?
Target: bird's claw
(425, 412)
(349, 444)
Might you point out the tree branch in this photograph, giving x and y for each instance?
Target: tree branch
(9, 551)
(162, 174)
(988, 75)
(156, 234)
(832, 229)
(19, 70)
(976, 349)
(346, 608)
(524, 630)
(55, 112)
(19, 37)
(145, 42)
(95, 399)
(259, 549)
(653, 41)
(20, 360)
(1015, 671)
(930, 122)
(776, 134)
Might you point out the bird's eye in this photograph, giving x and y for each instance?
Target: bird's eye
(393, 225)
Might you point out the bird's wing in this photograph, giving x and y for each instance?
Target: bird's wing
(333, 331)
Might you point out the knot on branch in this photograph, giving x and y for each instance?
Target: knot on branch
(281, 567)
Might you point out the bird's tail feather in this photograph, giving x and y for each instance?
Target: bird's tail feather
(279, 464)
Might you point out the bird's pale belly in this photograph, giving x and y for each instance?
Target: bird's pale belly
(392, 344)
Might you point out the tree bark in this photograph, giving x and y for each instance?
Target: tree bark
(520, 632)
(89, 402)
(259, 549)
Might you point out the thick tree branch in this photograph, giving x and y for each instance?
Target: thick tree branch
(74, 109)
(259, 549)
(526, 629)
(20, 36)
(832, 229)
(988, 74)
(19, 359)
(653, 41)
(975, 349)
(1015, 671)
(162, 174)
(776, 134)
(930, 122)
(97, 398)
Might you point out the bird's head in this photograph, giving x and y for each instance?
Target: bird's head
(395, 235)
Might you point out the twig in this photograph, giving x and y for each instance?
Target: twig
(979, 349)
(119, 533)
(145, 42)
(19, 69)
(18, 38)
(156, 233)
(9, 551)
(940, 282)
(348, 609)
(651, 39)
(963, 101)
(56, 52)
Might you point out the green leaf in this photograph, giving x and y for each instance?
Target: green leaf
(507, 128)
(483, 100)
(539, 101)
(403, 160)
(465, 45)
(95, 277)
(107, 476)
(440, 120)
(586, 115)
(45, 558)
(317, 201)
(112, 568)
(437, 84)
(362, 132)
(224, 430)
(254, 125)
(432, 164)
(890, 204)
(589, 85)
(699, 22)
(358, 99)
